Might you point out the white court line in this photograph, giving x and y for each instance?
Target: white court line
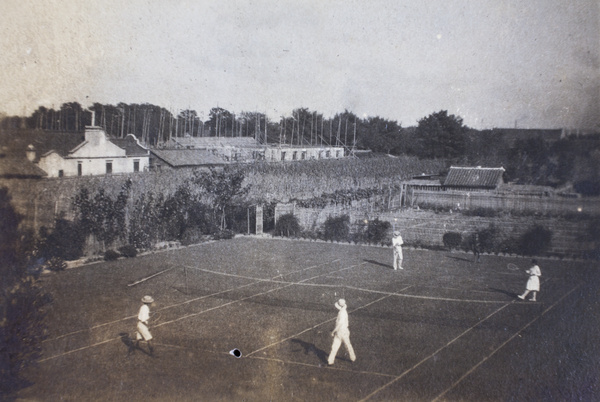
(249, 297)
(195, 314)
(503, 344)
(185, 302)
(322, 367)
(436, 352)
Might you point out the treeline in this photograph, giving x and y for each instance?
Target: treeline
(442, 136)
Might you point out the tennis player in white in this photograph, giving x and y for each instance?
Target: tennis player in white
(341, 333)
(142, 326)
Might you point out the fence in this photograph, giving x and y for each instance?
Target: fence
(503, 202)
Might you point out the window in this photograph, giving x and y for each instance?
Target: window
(283, 156)
(79, 169)
(61, 173)
(136, 165)
(294, 155)
(328, 154)
(303, 155)
(108, 167)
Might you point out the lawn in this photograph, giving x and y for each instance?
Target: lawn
(444, 328)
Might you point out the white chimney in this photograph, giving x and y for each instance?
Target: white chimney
(30, 153)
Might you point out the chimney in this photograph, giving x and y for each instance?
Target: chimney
(30, 153)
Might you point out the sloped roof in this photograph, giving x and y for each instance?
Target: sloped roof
(131, 146)
(187, 157)
(206, 142)
(42, 141)
(14, 167)
(478, 177)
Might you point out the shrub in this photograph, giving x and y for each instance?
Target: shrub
(535, 241)
(128, 251)
(55, 264)
(111, 255)
(224, 234)
(377, 230)
(66, 241)
(489, 239)
(337, 228)
(287, 225)
(452, 240)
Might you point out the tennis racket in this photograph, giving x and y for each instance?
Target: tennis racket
(512, 267)
(156, 318)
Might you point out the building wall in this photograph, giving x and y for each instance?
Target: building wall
(309, 153)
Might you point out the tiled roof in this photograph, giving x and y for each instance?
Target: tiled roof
(478, 177)
(187, 157)
(130, 145)
(19, 168)
(207, 142)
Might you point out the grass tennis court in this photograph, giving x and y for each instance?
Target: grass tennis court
(444, 328)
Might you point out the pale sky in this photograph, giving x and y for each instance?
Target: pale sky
(495, 63)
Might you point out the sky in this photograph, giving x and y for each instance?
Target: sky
(494, 63)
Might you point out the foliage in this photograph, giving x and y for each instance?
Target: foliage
(589, 187)
(111, 255)
(224, 234)
(287, 226)
(22, 301)
(452, 239)
(337, 228)
(222, 188)
(102, 216)
(65, 241)
(535, 241)
(55, 264)
(489, 239)
(128, 251)
(442, 136)
(377, 230)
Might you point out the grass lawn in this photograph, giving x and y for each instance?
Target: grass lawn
(444, 328)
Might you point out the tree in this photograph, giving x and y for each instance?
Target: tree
(223, 188)
(442, 136)
(22, 302)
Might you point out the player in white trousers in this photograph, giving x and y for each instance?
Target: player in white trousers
(341, 333)
(397, 246)
(142, 326)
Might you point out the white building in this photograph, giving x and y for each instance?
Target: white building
(97, 154)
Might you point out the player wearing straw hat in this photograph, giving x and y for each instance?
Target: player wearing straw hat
(397, 246)
(143, 333)
(341, 333)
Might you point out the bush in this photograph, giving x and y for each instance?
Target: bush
(224, 234)
(111, 255)
(377, 230)
(128, 251)
(337, 228)
(452, 240)
(287, 226)
(535, 241)
(55, 264)
(66, 241)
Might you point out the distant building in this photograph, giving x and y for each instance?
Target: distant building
(275, 153)
(93, 153)
(473, 178)
(168, 159)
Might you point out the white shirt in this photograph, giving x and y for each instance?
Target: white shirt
(144, 314)
(341, 323)
(397, 241)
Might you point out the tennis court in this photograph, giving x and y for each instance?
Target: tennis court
(444, 328)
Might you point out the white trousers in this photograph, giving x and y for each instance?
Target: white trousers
(337, 342)
(397, 258)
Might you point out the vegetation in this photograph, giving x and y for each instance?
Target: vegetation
(452, 240)
(337, 228)
(22, 300)
(287, 226)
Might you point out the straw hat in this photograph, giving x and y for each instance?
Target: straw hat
(340, 304)
(147, 299)
(396, 233)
